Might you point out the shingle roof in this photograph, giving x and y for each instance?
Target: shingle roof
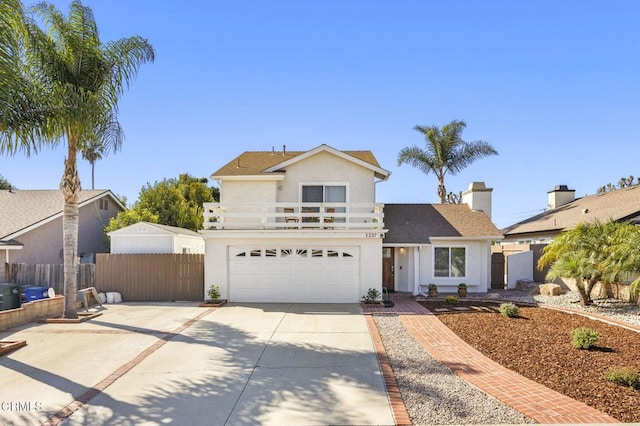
(619, 204)
(417, 223)
(256, 162)
(20, 209)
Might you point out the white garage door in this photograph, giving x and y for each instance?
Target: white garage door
(294, 274)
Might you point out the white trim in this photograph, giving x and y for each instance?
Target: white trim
(384, 174)
(449, 246)
(486, 238)
(251, 177)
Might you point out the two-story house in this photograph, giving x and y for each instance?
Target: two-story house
(296, 227)
(305, 227)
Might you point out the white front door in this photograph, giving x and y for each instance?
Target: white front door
(294, 274)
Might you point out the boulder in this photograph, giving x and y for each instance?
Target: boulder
(550, 289)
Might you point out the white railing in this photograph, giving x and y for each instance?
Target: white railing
(305, 216)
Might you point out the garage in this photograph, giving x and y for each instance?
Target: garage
(294, 274)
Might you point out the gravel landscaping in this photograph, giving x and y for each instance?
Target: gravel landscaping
(536, 345)
(432, 393)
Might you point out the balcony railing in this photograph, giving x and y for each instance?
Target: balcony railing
(336, 216)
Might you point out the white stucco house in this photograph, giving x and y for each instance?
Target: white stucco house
(304, 226)
(147, 238)
(296, 227)
(443, 244)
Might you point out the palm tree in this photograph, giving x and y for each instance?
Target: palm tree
(593, 252)
(58, 84)
(106, 138)
(445, 152)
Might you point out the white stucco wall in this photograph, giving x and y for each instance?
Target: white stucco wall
(519, 266)
(194, 243)
(129, 244)
(324, 167)
(218, 242)
(417, 267)
(249, 191)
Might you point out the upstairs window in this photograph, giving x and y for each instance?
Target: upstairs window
(324, 194)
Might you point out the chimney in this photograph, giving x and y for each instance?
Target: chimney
(478, 197)
(284, 150)
(560, 196)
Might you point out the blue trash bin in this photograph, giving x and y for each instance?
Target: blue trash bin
(35, 293)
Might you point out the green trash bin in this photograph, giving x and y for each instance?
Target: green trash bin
(10, 296)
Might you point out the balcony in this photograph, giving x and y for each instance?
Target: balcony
(284, 216)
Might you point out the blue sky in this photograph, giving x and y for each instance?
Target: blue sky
(552, 85)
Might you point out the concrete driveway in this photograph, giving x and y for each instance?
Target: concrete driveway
(179, 364)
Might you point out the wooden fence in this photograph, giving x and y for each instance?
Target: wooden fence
(151, 277)
(48, 275)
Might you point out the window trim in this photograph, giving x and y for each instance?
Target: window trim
(324, 184)
(449, 247)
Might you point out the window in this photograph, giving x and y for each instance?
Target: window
(324, 193)
(449, 261)
(104, 204)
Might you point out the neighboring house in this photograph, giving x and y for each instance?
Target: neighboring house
(305, 227)
(296, 227)
(31, 224)
(444, 244)
(146, 237)
(564, 212)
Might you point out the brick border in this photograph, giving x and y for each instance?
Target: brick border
(393, 390)
(97, 389)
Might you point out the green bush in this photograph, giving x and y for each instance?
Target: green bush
(625, 376)
(451, 300)
(214, 293)
(584, 337)
(372, 296)
(509, 310)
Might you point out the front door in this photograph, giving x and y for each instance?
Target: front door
(387, 268)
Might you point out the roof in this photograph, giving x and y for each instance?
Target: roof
(418, 223)
(170, 229)
(20, 210)
(619, 204)
(252, 163)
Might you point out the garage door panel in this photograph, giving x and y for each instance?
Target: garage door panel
(311, 275)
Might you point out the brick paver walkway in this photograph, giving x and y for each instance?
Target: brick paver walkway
(532, 399)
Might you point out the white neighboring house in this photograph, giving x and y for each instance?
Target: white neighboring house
(148, 238)
(296, 227)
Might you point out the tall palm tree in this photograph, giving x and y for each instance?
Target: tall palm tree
(58, 84)
(106, 138)
(445, 152)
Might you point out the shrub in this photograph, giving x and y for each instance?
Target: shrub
(625, 376)
(509, 310)
(462, 285)
(432, 286)
(214, 293)
(372, 296)
(451, 300)
(584, 337)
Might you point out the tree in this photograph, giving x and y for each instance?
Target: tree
(178, 202)
(4, 183)
(58, 84)
(592, 252)
(445, 152)
(106, 138)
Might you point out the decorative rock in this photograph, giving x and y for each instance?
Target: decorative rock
(550, 289)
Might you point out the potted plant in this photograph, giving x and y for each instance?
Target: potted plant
(213, 297)
(433, 290)
(462, 290)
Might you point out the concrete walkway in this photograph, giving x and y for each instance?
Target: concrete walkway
(180, 364)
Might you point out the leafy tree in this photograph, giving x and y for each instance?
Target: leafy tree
(593, 252)
(129, 217)
(58, 84)
(445, 152)
(4, 183)
(174, 202)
